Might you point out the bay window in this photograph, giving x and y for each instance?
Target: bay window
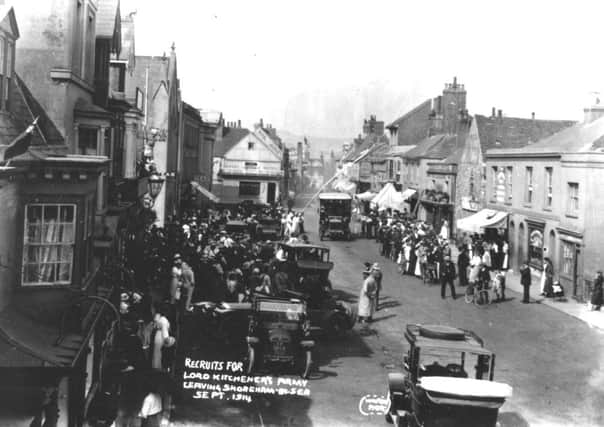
(49, 242)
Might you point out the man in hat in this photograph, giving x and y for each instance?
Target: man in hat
(447, 276)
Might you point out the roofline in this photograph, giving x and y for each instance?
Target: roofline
(521, 154)
(417, 107)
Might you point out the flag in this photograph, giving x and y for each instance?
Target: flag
(20, 144)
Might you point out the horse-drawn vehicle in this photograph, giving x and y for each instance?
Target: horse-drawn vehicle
(438, 387)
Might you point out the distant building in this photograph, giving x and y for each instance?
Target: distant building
(247, 166)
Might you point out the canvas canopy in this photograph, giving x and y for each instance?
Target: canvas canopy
(486, 218)
(366, 196)
(408, 193)
(389, 198)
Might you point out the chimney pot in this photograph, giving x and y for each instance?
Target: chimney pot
(454, 81)
(533, 116)
(493, 112)
(499, 113)
(238, 123)
(261, 123)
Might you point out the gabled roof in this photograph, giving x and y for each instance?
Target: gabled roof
(230, 138)
(8, 20)
(512, 132)
(580, 138)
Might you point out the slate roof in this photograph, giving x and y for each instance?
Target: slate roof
(512, 132)
(230, 138)
(409, 113)
(436, 147)
(580, 138)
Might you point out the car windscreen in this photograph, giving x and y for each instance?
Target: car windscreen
(443, 362)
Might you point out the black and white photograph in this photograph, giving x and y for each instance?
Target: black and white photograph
(284, 213)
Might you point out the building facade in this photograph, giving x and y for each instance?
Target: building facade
(56, 309)
(550, 190)
(247, 166)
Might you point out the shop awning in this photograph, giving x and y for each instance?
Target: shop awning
(486, 218)
(207, 194)
(408, 193)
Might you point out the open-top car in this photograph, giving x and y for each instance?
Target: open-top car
(447, 381)
(335, 210)
(279, 333)
(308, 267)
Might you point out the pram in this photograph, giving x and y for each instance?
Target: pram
(557, 291)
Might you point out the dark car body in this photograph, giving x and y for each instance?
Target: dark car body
(308, 267)
(279, 333)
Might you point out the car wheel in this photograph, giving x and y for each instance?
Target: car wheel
(251, 359)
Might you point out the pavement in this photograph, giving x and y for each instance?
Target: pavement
(567, 305)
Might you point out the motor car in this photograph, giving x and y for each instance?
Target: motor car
(335, 210)
(268, 228)
(307, 267)
(447, 380)
(279, 334)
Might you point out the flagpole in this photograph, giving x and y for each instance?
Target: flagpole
(360, 157)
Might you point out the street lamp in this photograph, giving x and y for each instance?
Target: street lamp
(155, 183)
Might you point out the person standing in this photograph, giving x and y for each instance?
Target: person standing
(375, 268)
(463, 261)
(367, 297)
(525, 281)
(597, 298)
(547, 278)
(447, 276)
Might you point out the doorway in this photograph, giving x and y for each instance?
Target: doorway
(270, 196)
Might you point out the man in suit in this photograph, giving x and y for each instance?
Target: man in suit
(525, 281)
(447, 276)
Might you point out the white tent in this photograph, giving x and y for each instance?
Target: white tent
(388, 197)
(486, 218)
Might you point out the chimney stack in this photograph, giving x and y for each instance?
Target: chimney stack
(499, 113)
(261, 123)
(533, 116)
(454, 81)
(239, 123)
(493, 112)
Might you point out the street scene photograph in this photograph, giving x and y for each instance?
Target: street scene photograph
(274, 213)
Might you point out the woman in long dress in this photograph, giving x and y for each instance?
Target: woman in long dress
(367, 297)
(505, 262)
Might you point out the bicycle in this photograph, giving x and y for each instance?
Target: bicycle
(479, 295)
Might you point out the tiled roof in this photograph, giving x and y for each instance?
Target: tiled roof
(512, 132)
(436, 147)
(230, 138)
(107, 17)
(580, 138)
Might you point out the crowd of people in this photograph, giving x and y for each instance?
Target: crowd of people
(228, 248)
(425, 252)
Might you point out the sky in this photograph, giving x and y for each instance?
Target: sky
(319, 67)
